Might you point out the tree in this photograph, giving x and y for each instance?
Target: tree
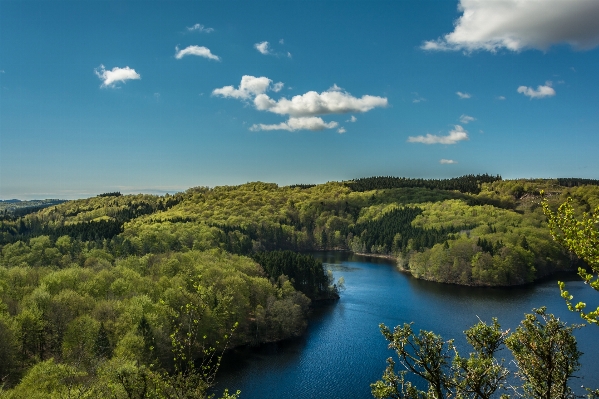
(544, 349)
(102, 348)
(580, 236)
(545, 352)
(195, 362)
(8, 350)
(149, 343)
(428, 356)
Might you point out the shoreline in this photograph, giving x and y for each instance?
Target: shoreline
(390, 257)
(407, 271)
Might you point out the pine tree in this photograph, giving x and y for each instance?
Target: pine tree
(102, 348)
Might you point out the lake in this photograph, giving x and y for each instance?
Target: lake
(343, 351)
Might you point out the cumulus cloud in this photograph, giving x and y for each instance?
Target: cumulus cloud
(456, 135)
(447, 161)
(501, 98)
(305, 123)
(111, 77)
(520, 24)
(341, 130)
(463, 96)
(249, 87)
(540, 92)
(303, 110)
(200, 51)
(465, 119)
(262, 47)
(199, 28)
(313, 103)
(352, 119)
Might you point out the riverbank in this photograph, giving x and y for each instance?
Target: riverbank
(390, 257)
(572, 271)
(343, 352)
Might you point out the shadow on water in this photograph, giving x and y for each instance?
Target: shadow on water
(274, 354)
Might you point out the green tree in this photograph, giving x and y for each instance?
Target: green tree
(545, 352)
(145, 331)
(196, 362)
(543, 347)
(102, 348)
(8, 349)
(580, 236)
(428, 356)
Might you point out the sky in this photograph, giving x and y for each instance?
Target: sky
(157, 96)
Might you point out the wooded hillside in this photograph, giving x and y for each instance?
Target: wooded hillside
(92, 286)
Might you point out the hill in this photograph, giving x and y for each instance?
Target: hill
(126, 278)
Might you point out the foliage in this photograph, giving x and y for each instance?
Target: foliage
(543, 347)
(305, 273)
(393, 232)
(545, 352)
(580, 236)
(111, 194)
(464, 184)
(84, 317)
(92, 288)
(13, 209)
(573, 182)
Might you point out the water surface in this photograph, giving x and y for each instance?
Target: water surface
(343, 351)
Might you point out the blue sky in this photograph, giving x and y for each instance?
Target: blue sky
(100, 96)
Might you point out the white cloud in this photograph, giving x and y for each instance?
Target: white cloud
(199, 28)
(111, 77)
(463, 96)
(520, 24)
(200, 51)
(501, 98)
(313, 103)
(266, 49)
(540, 92)
(305, 123)
(418, 98)
(465, 119)
(456, 135)
(341, 130)
(262, 47)
(303, 110)
(447, 161)
(250, 86)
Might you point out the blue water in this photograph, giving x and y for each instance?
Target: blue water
(343, 351)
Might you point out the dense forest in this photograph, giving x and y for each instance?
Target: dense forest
(118, 294)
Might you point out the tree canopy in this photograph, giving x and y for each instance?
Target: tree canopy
(581, 236)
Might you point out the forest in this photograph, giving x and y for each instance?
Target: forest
(119, 295)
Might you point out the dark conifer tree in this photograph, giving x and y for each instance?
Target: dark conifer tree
(102, 348)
